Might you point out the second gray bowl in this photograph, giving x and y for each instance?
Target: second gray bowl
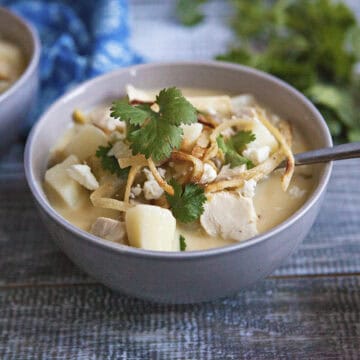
(179, 277)
(17, 101)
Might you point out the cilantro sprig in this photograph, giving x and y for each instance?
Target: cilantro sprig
(156, 134)
(187, 204)
(233, 146)
(189, 12)
(182, 242)
(109, 163)
(313, 45)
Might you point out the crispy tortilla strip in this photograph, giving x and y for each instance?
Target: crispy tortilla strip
(198, 165)
(101, 198)
(137, 160)
(130, 180)
(286, 147)
(213, 149)
(207, 120)
(162, 183)
(256, 173)
(201, 144)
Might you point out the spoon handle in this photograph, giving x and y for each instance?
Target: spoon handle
(337, 152)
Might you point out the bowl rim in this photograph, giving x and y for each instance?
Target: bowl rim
(34, 58)
(142, 253)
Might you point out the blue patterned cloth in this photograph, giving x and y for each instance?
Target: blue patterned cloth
(80, 39)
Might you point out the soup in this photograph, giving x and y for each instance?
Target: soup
(178, 170)
(12, 64)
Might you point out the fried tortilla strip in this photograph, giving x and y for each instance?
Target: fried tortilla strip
(162, 183)
(286, 147)
(198, 165)
(102, 198)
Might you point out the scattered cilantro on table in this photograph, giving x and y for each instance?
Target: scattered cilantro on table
(233, 146)
(110, 163)
(312, 44)
(187, 204)
(152, 133)
(189, 12)
(182, 243)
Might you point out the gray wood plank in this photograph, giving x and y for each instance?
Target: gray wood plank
(278, 319)
(28, 255)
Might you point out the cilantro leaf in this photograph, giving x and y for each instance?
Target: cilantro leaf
(186, 204)
(308, 43)
(156, 134)
(135, 115)
(157, 139)
(110, 163)
(175, 108)
(188, 12)
(182, 243)
(235, 144)
(241, 139)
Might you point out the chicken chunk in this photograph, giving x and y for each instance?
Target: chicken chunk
(191, 134)
(101, 118)
(83, 175)
(109, 229)
(229, 216)
(227, 173)
(209, 174)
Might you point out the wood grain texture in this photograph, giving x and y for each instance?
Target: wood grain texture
(29, 256)
(307, 318)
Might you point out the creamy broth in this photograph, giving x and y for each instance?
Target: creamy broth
(12, 64)
(272, 204)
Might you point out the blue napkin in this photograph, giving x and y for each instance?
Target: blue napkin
(80, 39)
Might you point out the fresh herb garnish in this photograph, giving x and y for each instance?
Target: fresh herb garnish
(233, 146)
(110, 163)
(188, 12)
(186, 204)
(156, 134)
(182, 243)
(312, 44)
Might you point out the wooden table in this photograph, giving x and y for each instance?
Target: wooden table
(308, 309)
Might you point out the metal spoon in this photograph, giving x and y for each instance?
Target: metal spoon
(337, 152)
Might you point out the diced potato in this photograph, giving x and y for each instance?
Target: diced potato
(11, 60)
(263, 137)
(242, 102)
(86, 141)
(57, 152)
(70, 191)
(152, 228)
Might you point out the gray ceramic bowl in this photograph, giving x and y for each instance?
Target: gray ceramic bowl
(16, 102)
(190, 276)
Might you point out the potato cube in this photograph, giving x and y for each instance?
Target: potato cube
(152, 228)
(86, 141)
(70, 191)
